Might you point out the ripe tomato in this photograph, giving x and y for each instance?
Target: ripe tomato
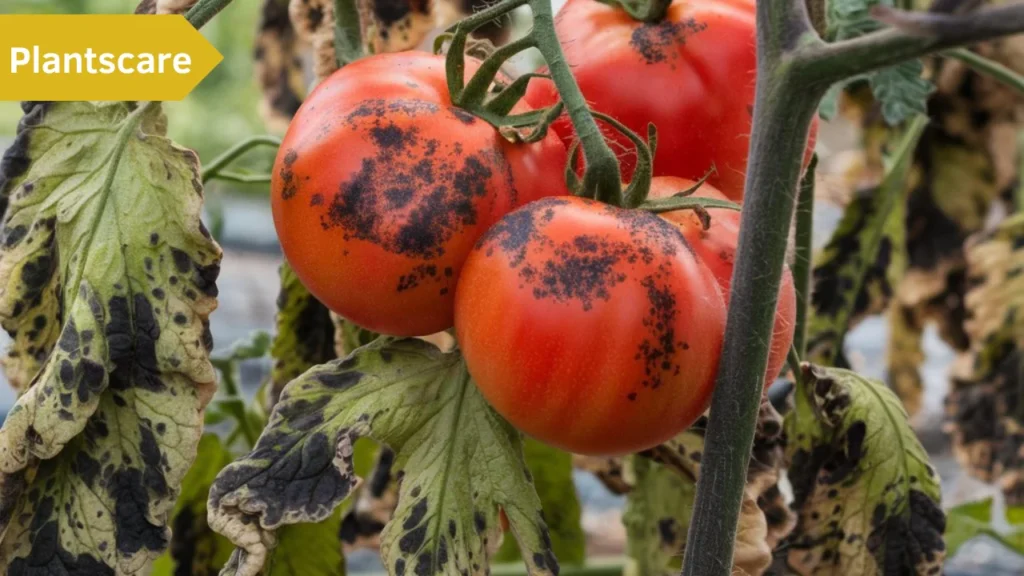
(589, 327)
(716, 247)
(381, 188)
(691, 74)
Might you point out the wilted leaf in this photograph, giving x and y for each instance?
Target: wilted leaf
(755, 537)
(984, 405)
(459, 462)
(109, 278)
(551, 470)
(855, 273)
(608, 470)
(195, 549)
(866, 497)
(304, 336)
(278, 65)
(657, 517)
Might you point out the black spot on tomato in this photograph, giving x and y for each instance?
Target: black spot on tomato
(658, 42)
(288, 175)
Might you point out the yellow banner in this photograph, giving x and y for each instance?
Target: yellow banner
(98, 57)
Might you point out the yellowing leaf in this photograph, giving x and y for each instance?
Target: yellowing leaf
(458, 459)
(866, 497)
(107, 280)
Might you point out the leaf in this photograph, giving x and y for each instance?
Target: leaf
(755, 536)
(984, 404)
(973, 519)
(551, 470)
(459, 462)
(856, 271)
(304, 335)
(195, 549)
(109, 278)
(867, 500)
(309, 549)
(278, 65)
(901, 90)
(657, 517)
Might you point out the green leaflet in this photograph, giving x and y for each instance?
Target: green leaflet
(304, 335)
(458, 459)
(856, 271)
(973, 519)
(900, 89)
(309, 549)
(552, 476)
(657, 517)
(108, 279)
(195, 549)
(866, 497)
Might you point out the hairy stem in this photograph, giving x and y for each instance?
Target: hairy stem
(783, 111)
(803, 256)
(602, 179)
(915, 34)
(204, 11)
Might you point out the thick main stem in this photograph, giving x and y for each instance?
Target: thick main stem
(782, 115)
(602, 179)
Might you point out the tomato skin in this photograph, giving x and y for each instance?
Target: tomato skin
(692, 75)
(381, 188)
(716, 247)
(589, 327)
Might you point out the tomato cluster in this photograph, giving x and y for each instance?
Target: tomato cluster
(591, 327)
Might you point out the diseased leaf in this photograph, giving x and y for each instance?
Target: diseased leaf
(459, 461)
(108, 280)
(984, 404)
(375, 503)
(195, 549)
(349, 336)
(755, 536)
(278, 65)
(551, 470)
(657, 517)
(304, 336)
(856, 271)
(867, 500)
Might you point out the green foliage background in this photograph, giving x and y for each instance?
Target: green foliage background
(223, 108)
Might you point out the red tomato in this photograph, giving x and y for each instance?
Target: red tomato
(589, 327)
(381, 188)
(716, 247)
(691, 74)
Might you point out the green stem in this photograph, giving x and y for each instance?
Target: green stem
(204, 11)
(783, 110)
(220, 162)
(803, 257)
(239, 178)
(348, 32)
(1018, 193)
(988, 67)
(602, 179)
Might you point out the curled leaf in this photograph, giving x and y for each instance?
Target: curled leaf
(458, 460)
(108, 280)
(866, 497)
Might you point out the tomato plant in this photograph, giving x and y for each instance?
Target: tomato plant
(716, 248)
(589, 315)
(691, 74)
(381, 188)
(567, 303)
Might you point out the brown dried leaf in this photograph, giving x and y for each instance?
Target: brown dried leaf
(278, 57)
